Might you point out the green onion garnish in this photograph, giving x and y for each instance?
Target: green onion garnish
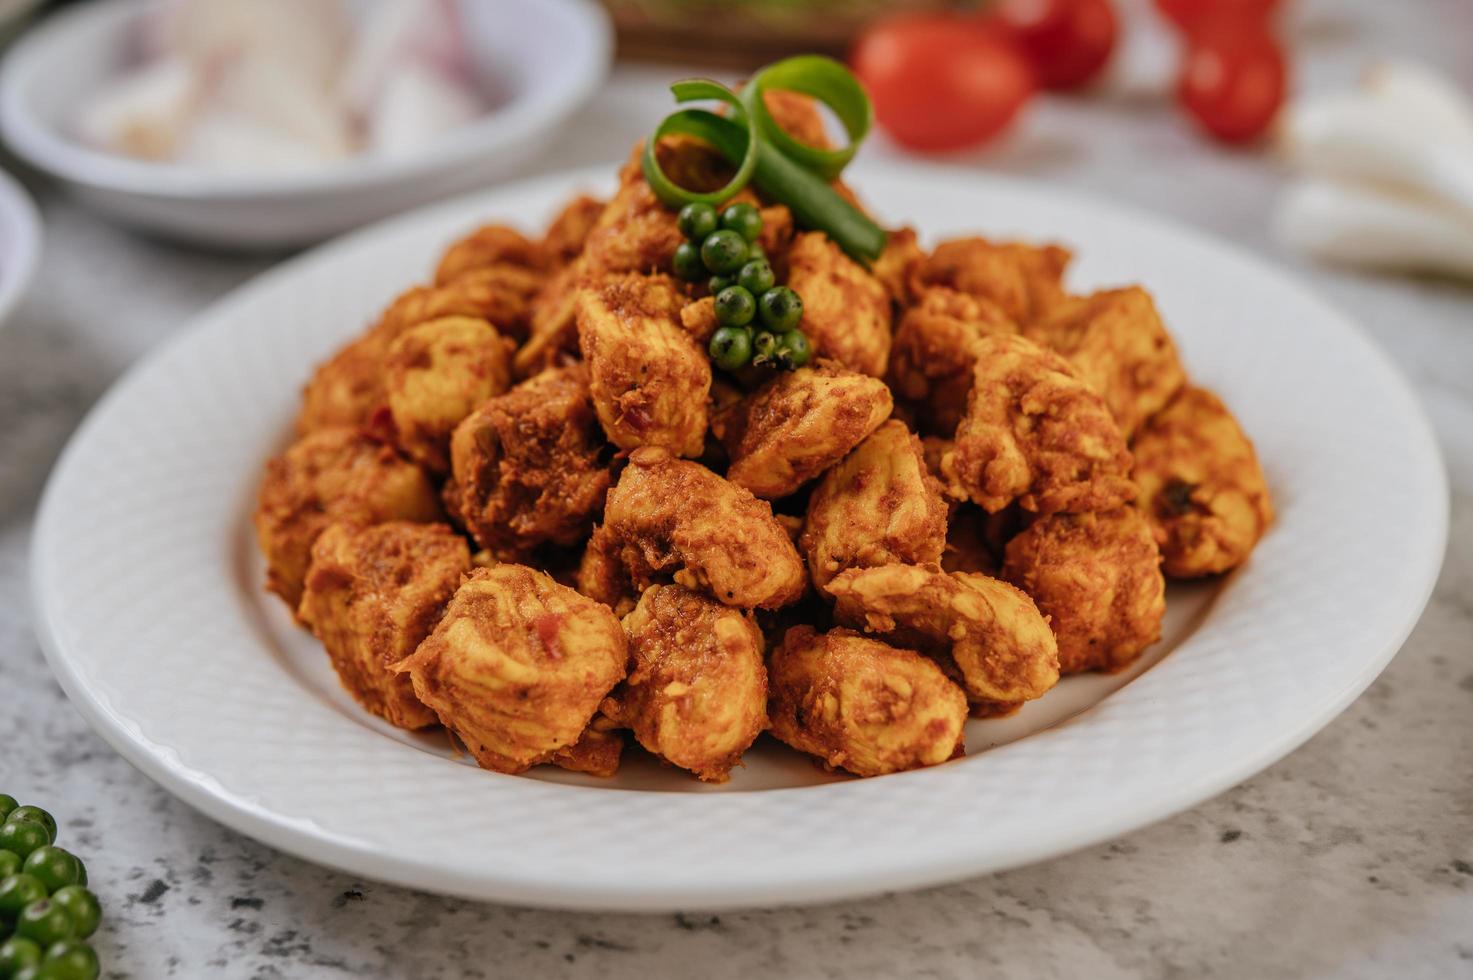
(782, 168)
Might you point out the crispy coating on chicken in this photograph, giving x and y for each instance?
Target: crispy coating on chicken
(858, 704)
(1201, 486)
(1025, 280)
(935, 352)
(530, 466)
(995, 635)
(635, 232)
(489, 245)
(674, 517)
(1034, 432)
(799, 424)
(435, 374)
(517, 666)
(698, 317)
(552, 338)
(798, 116)
(602, 576)
(696, 694)
(372, 595)
(339, 474)
(1116, 341)
(1098, 579)
(648, 376)
(500, 294)
(346, 389)
(846, 311)
(597, 751)
(569, 230)
(896, 267)
(880, 506)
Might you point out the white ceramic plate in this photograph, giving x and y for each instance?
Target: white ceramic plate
(149, 602)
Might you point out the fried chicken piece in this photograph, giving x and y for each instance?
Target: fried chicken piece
(696, 694)
(346, 389)
(1201, 486)
(552, 338)
(698, 317)
(602, 576)
(597, 751)
(993, 633)
(518, 665)
(935, 353)
(569, 230)
(372, 595)
(648, 377)
(499, 294)
(858, 704)
(435, 375)
(896, 267)
(1034, 432)
(846, 311)
(1025, 280)
(636, 232)
(880, 506)
(799, 424)
(530, 466)
(489, 245)
(339, 474)
(672, 516)
(1098, 579)
(1117, 343)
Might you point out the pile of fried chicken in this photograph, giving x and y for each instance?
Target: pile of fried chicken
(521, 506)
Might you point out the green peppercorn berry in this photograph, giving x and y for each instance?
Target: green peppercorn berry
(44, 923)
(724, 252)
(10, 864)
(794, 349)
(687, 262)
(731, 348)
(19, 891)
(743, 219)
(696, 220)
(7, 803)
(55, 867)
(23, 836)
(756, 253)
(756, 277)
(735, 307)
(37, 814)
(780, 309)
(17, 953)
(718, 283)
(32, 972)
(71, 959)
(82, 906)
(764, 344)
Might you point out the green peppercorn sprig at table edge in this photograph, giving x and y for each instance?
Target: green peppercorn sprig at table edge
(46, 910)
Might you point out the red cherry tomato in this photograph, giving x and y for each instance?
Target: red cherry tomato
(941, 82)
(1068, 42)
(1188, 14)
(1233, 81)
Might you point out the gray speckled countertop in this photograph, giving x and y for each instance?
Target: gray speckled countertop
(1351, 858)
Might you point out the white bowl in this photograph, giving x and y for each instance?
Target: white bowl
(549, 54)
(20, 243)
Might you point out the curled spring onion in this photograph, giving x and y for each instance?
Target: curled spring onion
(782, 168)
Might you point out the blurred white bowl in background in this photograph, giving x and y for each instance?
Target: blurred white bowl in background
(548, 57)
(20, 244)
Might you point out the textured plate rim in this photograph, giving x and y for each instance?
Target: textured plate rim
(762, 886)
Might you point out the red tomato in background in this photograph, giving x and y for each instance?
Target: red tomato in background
(1068, 42)
(1188, 14)
(941, 82)
(1233, 80)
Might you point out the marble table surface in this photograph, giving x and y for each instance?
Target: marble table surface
(1353, 857)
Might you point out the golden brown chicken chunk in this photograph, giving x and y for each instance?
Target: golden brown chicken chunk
(935, 353)
(896, 267)
(1000, 643)
(552, 338)
(435, 374)
(1035, 433)
(671, 516)
(1201, 486)
(861, 705)
(487, 246)
(597, 751)
(1025, 280)
(372, 594)
(696, 694)
(569, 229)
(530, 466)
(346, 389)
(880, 506)
(327, 476)
(648, 377)
(500, 294)
(1117, 343)
(602, 576)
(1098, 579)
(517, 666)
(799, 424)
(636, 232)
(846, 311)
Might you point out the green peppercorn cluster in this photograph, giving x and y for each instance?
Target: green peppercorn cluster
(46, 911)
(758, 318)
